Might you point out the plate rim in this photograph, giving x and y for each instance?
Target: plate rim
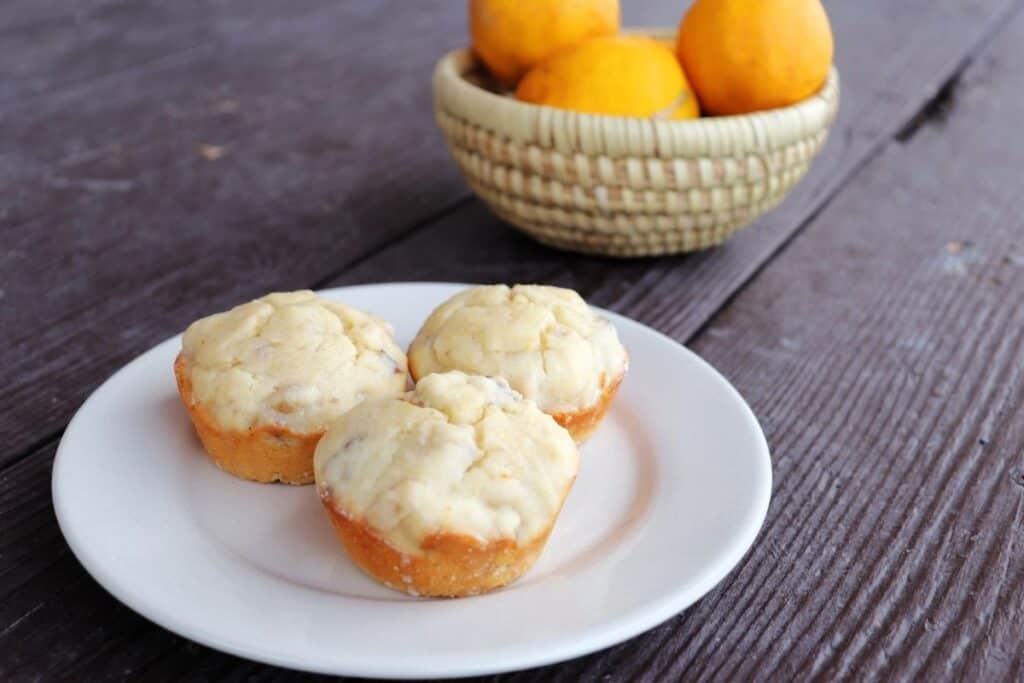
(596, 638)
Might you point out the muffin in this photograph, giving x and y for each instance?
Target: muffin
(545, 341)
(263, 381)
(450, 490)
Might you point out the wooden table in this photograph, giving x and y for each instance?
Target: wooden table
(163, 160)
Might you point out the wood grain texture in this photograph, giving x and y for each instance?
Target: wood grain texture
(56, 50)
(295, 185)
(881, 350)
(18, 15)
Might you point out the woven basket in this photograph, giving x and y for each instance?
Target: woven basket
(622, 186)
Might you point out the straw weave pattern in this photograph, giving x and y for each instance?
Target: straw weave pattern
(621, 186)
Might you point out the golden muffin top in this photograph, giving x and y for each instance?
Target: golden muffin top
(459, 454)
(545, 341)
(290, 359)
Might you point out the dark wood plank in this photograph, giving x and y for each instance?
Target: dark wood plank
(141, 232)
(327, 150)
(17, 15)
(55, 50)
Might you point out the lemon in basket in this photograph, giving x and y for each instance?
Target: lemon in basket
(511, 36)
(748, 55)
(620, 76)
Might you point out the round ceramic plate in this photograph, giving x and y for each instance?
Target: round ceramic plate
(671, 492)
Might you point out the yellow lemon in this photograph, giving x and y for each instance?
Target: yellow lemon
(748, 55)
(511, 36)
(621, 76)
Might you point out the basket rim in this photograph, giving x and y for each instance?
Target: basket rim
(536, 124)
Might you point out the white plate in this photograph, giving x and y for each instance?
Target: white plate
(671, 492)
